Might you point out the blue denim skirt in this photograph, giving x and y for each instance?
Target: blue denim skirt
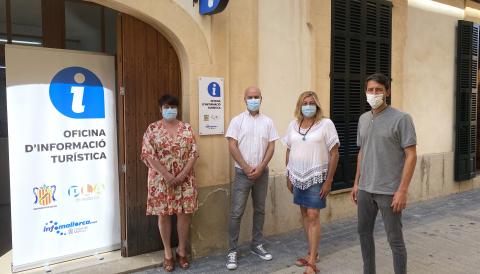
(310, 197)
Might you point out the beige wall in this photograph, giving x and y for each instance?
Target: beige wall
(283, 46)
(285, 63)
(429, 73)
(429, 70)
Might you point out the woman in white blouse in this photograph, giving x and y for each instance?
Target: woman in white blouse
(312, 156)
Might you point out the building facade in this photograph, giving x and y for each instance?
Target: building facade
(285, 47)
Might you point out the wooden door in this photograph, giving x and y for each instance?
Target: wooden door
(148, 68)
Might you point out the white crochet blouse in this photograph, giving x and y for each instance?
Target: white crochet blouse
(309, 156)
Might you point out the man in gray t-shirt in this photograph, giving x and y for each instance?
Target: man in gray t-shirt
(385, 165)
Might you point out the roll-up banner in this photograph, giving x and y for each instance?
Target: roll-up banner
(63, 155)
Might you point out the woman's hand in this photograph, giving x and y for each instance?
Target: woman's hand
(169, 179)
(180, 178)
(289, 185)
(327, 186)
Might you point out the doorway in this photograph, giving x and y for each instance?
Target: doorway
(147, 68)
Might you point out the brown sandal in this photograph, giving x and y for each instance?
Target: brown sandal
(168, 264)
(300, 262)
(182, 261)
(313, 267)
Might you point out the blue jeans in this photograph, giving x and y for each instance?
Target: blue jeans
(241, 188)
(310, 197)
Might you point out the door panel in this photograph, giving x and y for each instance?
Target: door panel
(148, 69)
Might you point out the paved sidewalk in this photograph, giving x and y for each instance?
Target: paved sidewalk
(442, 236)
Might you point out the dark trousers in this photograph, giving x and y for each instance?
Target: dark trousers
(241, 188)
(368, 206)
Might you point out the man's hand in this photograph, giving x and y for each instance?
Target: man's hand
(327, 186)
(354, 193)
(255, 173)
(399, 202)
(247, 170)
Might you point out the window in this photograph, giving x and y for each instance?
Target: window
(89, 27)
(3, 95)
(3, 22)
(361, 45)
(26, 22)
(83, 23)
(110, 30)
(466, 100)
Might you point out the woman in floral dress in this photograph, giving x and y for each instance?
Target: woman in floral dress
(169, 150)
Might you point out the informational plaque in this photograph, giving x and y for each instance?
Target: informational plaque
(211, 109)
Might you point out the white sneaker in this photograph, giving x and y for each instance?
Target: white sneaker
(260, 251)
(231, 260)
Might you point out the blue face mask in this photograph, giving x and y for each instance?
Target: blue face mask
(309, 110)
(253, 104)
(169, 113)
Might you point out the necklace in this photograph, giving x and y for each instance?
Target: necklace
(304, 134)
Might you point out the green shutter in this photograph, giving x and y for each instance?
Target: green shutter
(466, 100)
(361, 45)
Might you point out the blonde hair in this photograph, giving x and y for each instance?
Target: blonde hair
(298, 109)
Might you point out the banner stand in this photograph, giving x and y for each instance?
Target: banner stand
(62, 155)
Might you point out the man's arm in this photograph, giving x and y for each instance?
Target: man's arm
(237, 155)
(357, 177)
(258, 170)
(399, 202)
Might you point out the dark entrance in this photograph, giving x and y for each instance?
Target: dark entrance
(148, 68)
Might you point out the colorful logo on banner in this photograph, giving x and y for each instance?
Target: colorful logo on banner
(73, 227)
(77, 93)
(208, 7)
(86, 192)
(44, 196)
(214, 89)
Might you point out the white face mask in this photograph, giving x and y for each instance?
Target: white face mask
(375, 100)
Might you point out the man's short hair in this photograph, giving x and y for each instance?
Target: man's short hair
(379, 78)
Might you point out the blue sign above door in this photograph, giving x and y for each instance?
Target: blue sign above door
(208, 7)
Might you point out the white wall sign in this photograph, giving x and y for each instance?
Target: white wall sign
(211, 109)
(63, 155)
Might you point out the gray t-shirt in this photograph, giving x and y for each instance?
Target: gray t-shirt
(382, 139)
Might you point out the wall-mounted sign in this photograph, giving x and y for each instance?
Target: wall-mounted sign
(211, 108)
(212, 6)
(62, 153)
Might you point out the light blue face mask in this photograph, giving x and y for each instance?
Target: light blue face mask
(253, 104)
(169, 113)
(309, 110)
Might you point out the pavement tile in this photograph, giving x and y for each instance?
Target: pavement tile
(442, 236)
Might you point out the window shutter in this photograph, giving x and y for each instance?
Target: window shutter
(361, 45)
(466, 100)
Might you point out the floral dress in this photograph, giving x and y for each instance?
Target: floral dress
(173, 152)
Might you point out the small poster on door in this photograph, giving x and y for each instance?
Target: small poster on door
(211, 108)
